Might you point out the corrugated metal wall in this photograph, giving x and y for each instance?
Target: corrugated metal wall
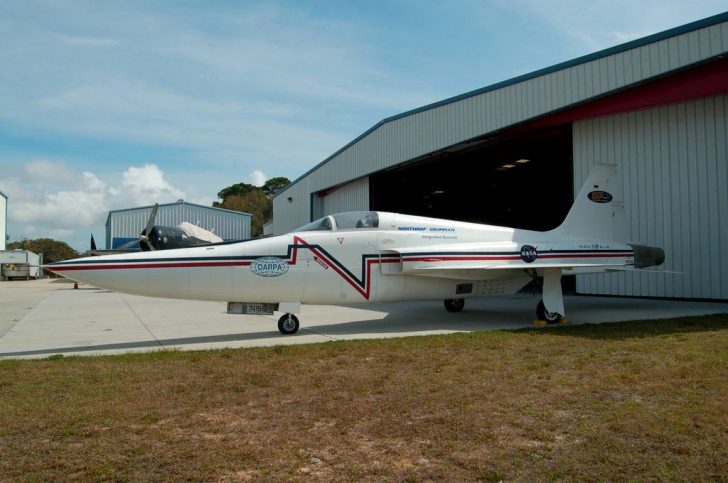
(351, 197)
(418, 133)
(673, 162)
(288, 215)
(227, 224)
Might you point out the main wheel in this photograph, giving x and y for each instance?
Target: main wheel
(545, 315)
(454, 305)
(288, 324)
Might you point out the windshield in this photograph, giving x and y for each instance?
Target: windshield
(356, 219)
(344, 221)
(322, 224)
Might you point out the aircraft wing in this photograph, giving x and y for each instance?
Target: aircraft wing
(485, 260)
(486, 272)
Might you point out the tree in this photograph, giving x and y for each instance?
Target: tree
(239, 189)
(52, 250)
(255, 203)
(251, 199)
(274, 185)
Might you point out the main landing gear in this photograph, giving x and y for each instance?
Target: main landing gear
(454, 305)
(545, 315)
(288, 324)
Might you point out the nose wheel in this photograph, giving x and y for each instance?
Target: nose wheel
(288, 324)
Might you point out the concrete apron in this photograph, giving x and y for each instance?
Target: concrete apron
(42, 318)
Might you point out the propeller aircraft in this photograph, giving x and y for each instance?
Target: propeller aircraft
(370, 257)
(158, 237)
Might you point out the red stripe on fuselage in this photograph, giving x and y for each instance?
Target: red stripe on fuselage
(364, 290)
(151, 265)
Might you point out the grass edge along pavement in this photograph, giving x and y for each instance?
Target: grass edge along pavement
(631, 400)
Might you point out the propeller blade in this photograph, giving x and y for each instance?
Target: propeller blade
(150, 222)
(147, 243)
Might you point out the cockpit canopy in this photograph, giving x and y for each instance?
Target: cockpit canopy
(344, 221)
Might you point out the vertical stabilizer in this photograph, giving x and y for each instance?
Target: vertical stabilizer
(598, 210)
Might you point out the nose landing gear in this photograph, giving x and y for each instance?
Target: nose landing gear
(288, 324)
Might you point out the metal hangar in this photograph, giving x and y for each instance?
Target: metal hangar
(125, 225)
(516, 152)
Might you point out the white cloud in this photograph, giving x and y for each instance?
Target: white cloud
(59, 209)
(274, 84)
(40, 207)
(257, 178)
(146, 185)
(45, 171)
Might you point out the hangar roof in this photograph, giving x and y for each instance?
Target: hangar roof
(672, 58)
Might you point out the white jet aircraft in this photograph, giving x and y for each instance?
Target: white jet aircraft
(369, 257)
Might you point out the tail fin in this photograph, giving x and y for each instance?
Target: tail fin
(598, 210)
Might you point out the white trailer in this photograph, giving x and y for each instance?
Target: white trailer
(23, 264)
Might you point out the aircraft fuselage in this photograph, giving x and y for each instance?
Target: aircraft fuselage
(406, 259)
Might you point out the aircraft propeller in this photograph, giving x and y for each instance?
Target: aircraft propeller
(144, 236)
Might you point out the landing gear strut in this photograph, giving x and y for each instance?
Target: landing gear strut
(288, 324)
(454, 305)
(545, 315)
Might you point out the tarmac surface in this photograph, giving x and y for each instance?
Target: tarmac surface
(40, 318)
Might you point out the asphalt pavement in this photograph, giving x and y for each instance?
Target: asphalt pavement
(39, 318)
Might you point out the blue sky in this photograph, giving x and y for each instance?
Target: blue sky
(108, 105)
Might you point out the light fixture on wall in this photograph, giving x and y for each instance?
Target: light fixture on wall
(290, 199)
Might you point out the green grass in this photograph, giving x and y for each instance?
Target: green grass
(630, 401)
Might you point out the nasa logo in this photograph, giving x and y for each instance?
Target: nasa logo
(269, 267)
(600, 197)
(529, 253)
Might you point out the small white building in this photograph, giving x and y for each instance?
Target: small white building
(20, 264)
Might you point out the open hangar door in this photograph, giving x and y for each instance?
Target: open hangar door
(519, 180)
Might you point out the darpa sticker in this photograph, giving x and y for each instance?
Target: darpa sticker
(269, 267)
(529, 253)
(600, 196)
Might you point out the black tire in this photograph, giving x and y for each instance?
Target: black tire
(288, 324)
(454, 305)
(546, 316)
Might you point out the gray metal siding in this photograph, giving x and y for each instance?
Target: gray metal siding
(351, 197)
(228, 225)
(290, 215)
(673, 164)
